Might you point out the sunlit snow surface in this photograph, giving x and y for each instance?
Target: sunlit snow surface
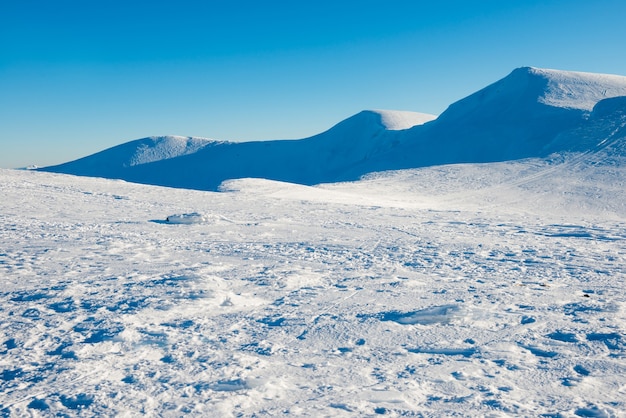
(481, 290)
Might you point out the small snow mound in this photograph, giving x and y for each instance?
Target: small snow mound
(398, 120)
(187, 218)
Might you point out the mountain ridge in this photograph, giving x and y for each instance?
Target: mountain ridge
(529, 113)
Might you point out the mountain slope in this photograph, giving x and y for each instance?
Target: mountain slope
(308, 161)
(603, 132)
(113, 162)
(530, 113)
(514, 118)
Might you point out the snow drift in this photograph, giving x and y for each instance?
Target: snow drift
(530, 113)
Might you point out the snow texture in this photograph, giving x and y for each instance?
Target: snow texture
(469, 289)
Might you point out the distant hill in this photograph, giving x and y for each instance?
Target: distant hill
(530, 113)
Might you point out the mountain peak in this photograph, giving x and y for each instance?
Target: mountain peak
(572, 89)
(526, 90)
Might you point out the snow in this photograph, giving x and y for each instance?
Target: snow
(166, 147)
(187, 218)
(205, 164)
(579, 90)
(397, 120)
(488, 287)
(115, 161)
(524, 115)
(469, 289)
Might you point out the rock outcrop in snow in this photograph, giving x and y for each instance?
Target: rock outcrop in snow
(530, 113)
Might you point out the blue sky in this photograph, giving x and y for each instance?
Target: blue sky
(77, 77)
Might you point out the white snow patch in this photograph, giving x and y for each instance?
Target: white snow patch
(397, 120)
(187, 218)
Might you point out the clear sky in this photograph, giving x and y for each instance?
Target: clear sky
(79, 76)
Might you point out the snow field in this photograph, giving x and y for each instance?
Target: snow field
(399, 295)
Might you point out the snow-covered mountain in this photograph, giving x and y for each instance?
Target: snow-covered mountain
(530, 113)
(520, 116)
(203, 164)
(483, 289)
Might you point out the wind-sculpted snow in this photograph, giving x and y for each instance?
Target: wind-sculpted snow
(603, 134)
(163, 148)
(461, 290)
(524, 115)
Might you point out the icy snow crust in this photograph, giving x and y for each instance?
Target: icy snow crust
(460, 290)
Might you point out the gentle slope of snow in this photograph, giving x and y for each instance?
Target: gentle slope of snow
(115, 161)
